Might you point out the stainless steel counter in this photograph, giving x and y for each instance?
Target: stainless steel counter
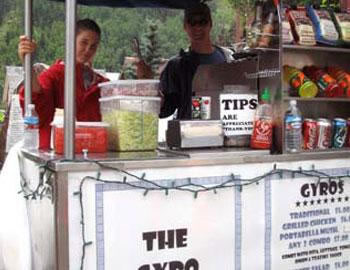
(162, 158)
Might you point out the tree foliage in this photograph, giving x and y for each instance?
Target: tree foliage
(150, 46)
(119, 26)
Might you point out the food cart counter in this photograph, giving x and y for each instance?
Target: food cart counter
(194, 209)
(164, 157)
(168, 210)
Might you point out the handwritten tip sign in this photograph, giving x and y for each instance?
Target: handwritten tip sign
(237, 113)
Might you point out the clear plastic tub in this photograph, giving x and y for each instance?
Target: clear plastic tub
(88, 135)
(130, 88)
(133, 122)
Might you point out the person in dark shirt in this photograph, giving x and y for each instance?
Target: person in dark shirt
(176, 78)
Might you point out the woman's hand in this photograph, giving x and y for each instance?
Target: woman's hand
(25, 45)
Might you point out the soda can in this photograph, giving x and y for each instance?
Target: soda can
(348, 135)
(310, 133)
(196, 107)
(205, 108)
(324, 133)
(339, 132)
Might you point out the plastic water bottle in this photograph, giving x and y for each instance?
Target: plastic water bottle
(31, 128)
(293, 128)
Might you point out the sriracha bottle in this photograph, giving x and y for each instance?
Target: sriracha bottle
(263, 125)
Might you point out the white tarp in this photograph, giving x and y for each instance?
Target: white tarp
(14, 228)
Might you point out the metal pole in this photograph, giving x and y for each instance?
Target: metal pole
(28, 57)
(69, 83)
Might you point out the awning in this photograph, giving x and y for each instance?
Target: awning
(176, 4)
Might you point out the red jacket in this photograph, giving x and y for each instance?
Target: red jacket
(52, 96)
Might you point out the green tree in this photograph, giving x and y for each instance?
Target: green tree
(119, 26)
(150, 46)
(9, 32)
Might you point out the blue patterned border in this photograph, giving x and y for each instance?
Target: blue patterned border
(238, 228)
(268, 222)
(100, 250)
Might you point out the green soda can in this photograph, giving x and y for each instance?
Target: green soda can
(339, 132)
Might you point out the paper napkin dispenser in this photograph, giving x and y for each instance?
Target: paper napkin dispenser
(194, 133)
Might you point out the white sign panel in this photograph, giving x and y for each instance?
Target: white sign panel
(16, 125)
(253, 227)
(310, 224)
(237, 113)
(166, 232)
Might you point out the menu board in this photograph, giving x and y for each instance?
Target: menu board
(310, 224)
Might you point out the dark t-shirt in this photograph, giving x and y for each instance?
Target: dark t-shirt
(176, 79)
(216, 57)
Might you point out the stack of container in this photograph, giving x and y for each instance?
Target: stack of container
(131, 108)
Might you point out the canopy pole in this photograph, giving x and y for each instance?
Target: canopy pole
(69, 83)
(28, 57)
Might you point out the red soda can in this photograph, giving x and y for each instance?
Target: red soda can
(309, 133)
(196, 107)
(205, 108)
(324, 133)
(339, 132)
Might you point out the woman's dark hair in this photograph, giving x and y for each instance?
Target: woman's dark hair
(88, 24)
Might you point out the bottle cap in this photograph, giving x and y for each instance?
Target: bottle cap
(308, 90)
(266, 95)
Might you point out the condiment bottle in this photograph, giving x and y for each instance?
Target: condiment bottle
(255, 30)
(263, 123)
(328, 86)
(342, 77)
(267, 31)
(300, 84)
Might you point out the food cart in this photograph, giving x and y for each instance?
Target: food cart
(216, 208)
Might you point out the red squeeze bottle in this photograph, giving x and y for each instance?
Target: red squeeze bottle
(262, 129)
(328, 87)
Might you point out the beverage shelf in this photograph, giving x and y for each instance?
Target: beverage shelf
(318, 99)
(324, 151)
(316, 48)
(267, 49)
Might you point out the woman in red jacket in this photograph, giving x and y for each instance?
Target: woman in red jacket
(48, 86)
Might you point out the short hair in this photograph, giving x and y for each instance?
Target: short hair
(87, 24)
(199, 9)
